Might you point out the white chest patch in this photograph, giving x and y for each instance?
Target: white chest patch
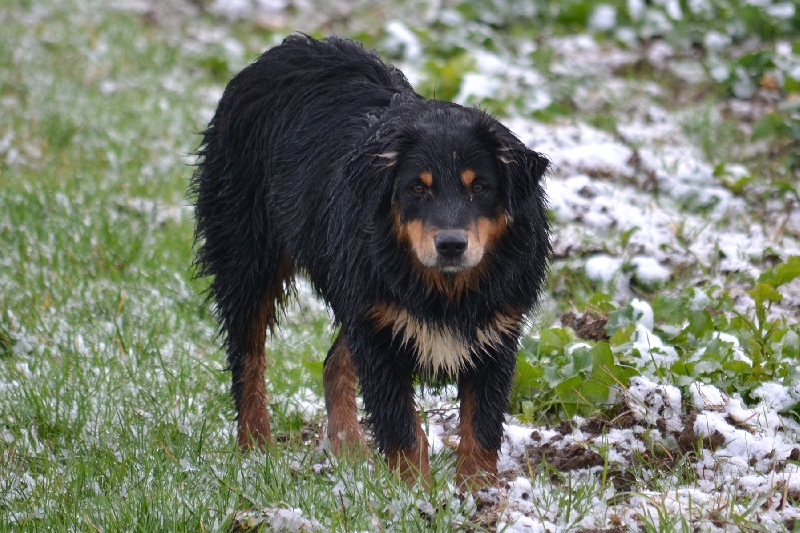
(439, 349)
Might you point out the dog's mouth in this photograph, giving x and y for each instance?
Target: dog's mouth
(452, 269)
(448, 264)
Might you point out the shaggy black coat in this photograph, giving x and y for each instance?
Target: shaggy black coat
(296, 175)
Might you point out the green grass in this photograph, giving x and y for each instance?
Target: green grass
(114, 406)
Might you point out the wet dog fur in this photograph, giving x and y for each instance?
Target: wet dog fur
(421, 223)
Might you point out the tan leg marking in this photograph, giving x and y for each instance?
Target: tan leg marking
(254, 429)
(414, 463)
(476, 467)
(344, 433)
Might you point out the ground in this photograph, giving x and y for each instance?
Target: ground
(657, 386)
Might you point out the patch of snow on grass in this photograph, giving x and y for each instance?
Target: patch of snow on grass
(652, 350)
(649, 271)
(644, 313)
(775, 395)
(276, 519)
(753, 445)
(305, 403)
(602, 268)
(603, 18)
(650, 401)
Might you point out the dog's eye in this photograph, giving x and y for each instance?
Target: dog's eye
(418, 189)
(477, 188)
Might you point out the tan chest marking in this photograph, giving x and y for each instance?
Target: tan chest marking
(439, 349)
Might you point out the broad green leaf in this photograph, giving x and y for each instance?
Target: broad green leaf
(718, 349)
(669, 309)
(782, 273)
(620, 318)
(553, 340)
(605, 368)
(528, 410)
(582, 359)
(602, 354)
(527, 376)
(699, 323)
(765, 292)
(555, 374)
(706, 366)
(602, 302)
(737, 368)
(682, 368)
(529, 345)
(623, 335)
(595, 391)
(569, 396)
(791, 345)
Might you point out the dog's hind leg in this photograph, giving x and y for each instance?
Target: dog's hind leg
(246, 328)
(344, 433)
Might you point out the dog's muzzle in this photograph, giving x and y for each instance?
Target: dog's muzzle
(451, 250)
(451, 245)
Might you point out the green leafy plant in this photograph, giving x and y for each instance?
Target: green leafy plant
(561, 375)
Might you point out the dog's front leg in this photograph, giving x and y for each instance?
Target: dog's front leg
(412, 463)
(388, 392)
(483, 393)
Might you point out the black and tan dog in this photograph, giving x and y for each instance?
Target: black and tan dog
(421, 223)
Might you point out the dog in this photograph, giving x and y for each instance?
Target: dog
(421, 223)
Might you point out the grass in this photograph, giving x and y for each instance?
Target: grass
(114, 405)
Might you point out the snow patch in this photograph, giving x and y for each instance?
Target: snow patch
(602, 268)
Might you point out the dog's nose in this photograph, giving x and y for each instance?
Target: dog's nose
(450, 244)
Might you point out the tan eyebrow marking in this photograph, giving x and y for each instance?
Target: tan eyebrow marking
(467, 177)
(426, 178)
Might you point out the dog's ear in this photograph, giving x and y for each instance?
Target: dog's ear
(521, 169)
(372, 170)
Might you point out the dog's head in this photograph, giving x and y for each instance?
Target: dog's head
(446, 201)
(458, 180)
(452, 183)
